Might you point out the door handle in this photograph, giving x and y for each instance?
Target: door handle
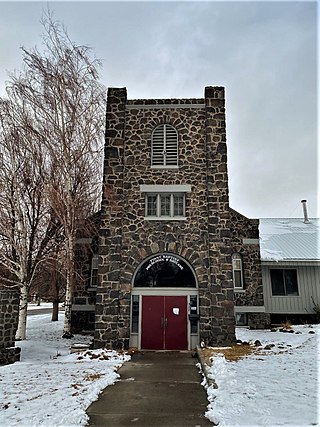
(164, 322)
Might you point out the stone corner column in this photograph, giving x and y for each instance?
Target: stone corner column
(108, 316)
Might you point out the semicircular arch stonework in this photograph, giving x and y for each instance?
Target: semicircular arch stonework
(164, 269)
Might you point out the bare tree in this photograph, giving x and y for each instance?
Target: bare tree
(27, 224)
(60, 84)
(50, 282)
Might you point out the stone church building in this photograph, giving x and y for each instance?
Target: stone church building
(175, 264)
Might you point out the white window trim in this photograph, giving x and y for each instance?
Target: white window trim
(94, 266)
(184, 188)
(160, 217)
(237, 257)
(165, 167)
(251, 241)
(250, 309)
(165, 218)
(163, 106)
(245, 323)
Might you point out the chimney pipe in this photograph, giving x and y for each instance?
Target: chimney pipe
(305, 212)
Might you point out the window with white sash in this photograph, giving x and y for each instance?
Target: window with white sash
(165, 205)
(237, 271)
(165, 202)
(94, 271)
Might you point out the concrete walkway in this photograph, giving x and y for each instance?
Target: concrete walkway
(156, 389)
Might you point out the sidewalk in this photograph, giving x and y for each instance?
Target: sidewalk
(156, 389)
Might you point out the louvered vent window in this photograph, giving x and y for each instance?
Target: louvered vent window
(165, 146)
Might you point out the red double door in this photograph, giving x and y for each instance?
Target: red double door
(164, 323)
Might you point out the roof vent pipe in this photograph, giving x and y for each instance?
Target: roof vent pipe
(305, 212)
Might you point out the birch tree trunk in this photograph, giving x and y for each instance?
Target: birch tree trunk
(22, 324)
(69, 288)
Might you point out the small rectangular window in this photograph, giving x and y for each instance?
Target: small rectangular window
(237, 271)
(237, 279)
(284, 282)
(290, 278)
(165, 205)
(237, 264)
(277, 282)
(178, 205)
(151, 205)
(94, 271)
(241, 319)
(193, 313)
(135, 314)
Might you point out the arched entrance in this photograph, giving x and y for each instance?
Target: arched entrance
(164, 304)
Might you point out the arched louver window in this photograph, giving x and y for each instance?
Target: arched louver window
(164, 146)
(237, 271)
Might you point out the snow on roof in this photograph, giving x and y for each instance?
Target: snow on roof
(284, 239)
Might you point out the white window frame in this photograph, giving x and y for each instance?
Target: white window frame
(158, 215)
(241, 319)
(161, 146)
(94, 266)
(158, 189)
(237, 267)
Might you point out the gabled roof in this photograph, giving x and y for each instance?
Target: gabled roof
(285, 239)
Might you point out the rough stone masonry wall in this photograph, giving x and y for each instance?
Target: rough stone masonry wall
(111, 323)
(220, 329)
(252, 294)
(9, 316)
(126, 238)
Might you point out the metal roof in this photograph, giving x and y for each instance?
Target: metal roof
(285, 239)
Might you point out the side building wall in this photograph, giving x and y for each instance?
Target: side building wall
(296, 306)
(250, 299)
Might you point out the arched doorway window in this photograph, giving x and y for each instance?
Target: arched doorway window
(164, 271)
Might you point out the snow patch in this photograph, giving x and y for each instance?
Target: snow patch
(275, 388)
(50, 386)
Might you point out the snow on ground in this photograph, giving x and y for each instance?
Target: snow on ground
(278, 387)
(50, 386)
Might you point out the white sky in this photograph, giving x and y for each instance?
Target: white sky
(264, 53)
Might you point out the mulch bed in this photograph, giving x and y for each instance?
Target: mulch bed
(232, 354)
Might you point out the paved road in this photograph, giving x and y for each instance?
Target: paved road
(44, 310)
(35, 311)
(156, 389)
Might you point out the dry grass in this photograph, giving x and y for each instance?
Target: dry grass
(286, 325)
(232, 354)
(93, 377)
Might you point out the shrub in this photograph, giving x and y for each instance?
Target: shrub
(287, 325)
(316, 309)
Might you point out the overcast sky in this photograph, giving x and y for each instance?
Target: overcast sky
(264, 53)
